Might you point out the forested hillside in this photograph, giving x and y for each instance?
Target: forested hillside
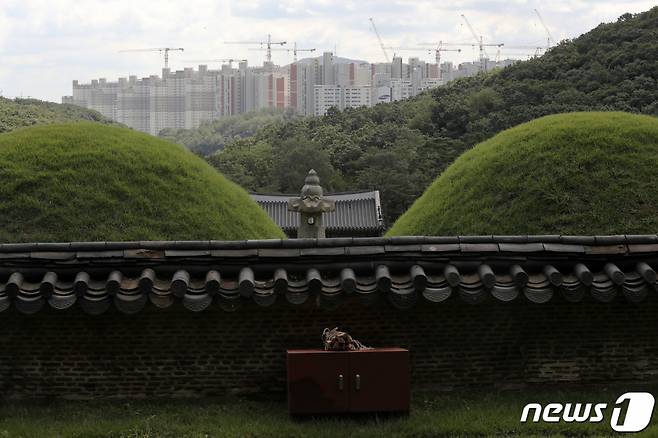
(18, 113)
(211, 136)
(401, 147)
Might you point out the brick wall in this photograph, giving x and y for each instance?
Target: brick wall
(175, 352)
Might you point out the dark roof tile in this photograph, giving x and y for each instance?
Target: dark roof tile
(191, 244)
(643, 248)
(578, 240)
(268, 243)
(279, 252)
(479, 247)
(441, 247)
(53, 255)
(364, 241)
(407, 240)
(365, 250)
(335, 241)
(186, 252)
(521, 247)
(641, 238)
(18, 247)
(251, 252)
(88, 246)
(144, 253)
(607, 249)
(618, 239)
(546, 238)
(475, 239)
(230, 244)
(14, 255)
(93, 254)
(403, 248)
(300, 243)
(331, 251)
(560, 247)
(511, 239)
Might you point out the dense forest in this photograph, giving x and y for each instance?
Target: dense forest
(399, 148)
(17, 113)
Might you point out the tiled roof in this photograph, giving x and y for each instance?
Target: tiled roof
(404, 270)
(355, 211)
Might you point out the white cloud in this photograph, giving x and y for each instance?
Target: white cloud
(44, 44)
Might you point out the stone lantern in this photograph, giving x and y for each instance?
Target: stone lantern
(310, 205)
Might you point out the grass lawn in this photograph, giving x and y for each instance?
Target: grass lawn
(470, 413)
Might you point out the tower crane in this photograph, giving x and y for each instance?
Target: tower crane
(294, 50)
(437, 51)
(537, 50)
(549, 37)
(480, 43)
(230, 61)
(268, 45)
(166, 51)
(381, 44)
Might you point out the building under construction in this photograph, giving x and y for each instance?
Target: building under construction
(185, 98)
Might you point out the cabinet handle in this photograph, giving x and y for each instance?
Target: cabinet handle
(357, 382)
(341, 382)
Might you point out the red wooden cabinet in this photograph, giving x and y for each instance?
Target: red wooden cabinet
(348, 381)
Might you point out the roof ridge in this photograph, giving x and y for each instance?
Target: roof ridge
(349, 192)
(558, 243)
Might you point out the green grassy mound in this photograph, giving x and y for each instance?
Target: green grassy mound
(575, 173)
(90, 182)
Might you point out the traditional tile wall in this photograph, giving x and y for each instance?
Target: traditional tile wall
(178, 353)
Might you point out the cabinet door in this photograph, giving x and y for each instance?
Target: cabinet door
(379, 381)
(317, 382)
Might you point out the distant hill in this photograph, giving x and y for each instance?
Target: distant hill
(18, 113)
(401, 147)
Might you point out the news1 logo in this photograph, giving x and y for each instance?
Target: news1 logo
(631, 412)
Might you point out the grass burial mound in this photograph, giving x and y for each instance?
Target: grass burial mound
(575, 173)
(92, 182)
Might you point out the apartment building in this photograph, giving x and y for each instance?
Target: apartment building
(340, 97)
(184, 99)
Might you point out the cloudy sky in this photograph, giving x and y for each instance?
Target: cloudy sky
(44, 44)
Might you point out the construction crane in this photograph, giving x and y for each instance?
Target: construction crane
(381, 44)
(537, 50)
(549, 37)
(166, 51)
(230, 61)
(437, 51)
(480, 43)
(268, 45)
(294, 51)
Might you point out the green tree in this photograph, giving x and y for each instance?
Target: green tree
(294, 158)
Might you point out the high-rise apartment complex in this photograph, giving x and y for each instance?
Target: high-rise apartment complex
(184, 99)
